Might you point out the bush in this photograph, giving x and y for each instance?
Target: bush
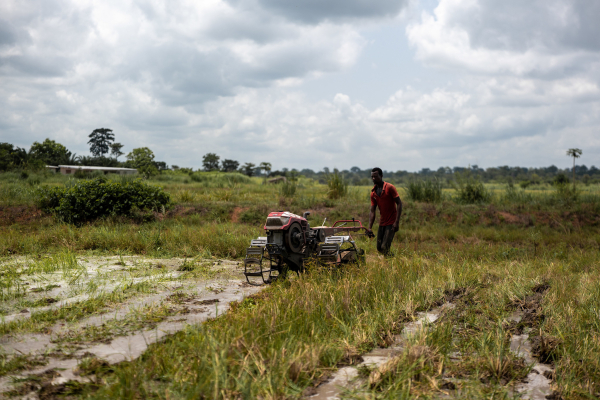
(288, 189)
(566, 193)
(219, 179)
(429, 191)
(471, 190)
(337, 185)
(524, 184)
(560, 179)
(87, 200)
(514, 195)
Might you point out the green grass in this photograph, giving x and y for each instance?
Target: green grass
(296, 332)
(293, 334)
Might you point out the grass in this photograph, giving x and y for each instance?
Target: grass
(494, 255)
(295, 333)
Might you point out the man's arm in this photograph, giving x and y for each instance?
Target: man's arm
(398, 213)
(372, 217)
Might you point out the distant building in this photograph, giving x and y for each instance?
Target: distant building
(71, 169)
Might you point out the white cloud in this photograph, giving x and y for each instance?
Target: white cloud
(186, 78)
(541, 38)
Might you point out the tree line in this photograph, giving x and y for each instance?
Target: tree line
(105, 152)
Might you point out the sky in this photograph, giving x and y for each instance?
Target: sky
(399, 84)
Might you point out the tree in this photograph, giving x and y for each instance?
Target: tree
(100, 141)
(229, 165)
(248, 169)
(11, 157)
(210, 162)
(143, 159)
(266, 167)
(115, 150)
(575, 153)
(51, 153)
(161, 165)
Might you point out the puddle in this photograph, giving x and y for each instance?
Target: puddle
(536, 386)
(198, 300)
(98, 276)
(129, 347)
(347, 377)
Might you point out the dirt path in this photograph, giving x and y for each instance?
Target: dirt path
(347, 378)
(173, 294)
(537, 385)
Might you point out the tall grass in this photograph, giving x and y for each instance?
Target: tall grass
(219, 179)
(427, 191)
(288, 189)
(337, 186)
(471, 190)
(279, 343)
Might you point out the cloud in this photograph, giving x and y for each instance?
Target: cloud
(537, 38)
(316, 11)
(177, 53)
(186, 78)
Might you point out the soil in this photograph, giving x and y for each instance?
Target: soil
(348, 375)
(62, 348)
(19, 215)
(235, 215)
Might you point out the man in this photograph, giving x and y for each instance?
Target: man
(385, 196)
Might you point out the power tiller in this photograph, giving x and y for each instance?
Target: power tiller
(290, 242)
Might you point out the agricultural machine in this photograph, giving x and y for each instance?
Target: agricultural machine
(290, 242)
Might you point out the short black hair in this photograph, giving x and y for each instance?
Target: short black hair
(377, 169)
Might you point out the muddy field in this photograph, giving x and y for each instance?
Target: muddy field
(65, 317)
(494, 300)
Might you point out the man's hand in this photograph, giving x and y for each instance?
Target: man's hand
(396, 226)
(369, 233)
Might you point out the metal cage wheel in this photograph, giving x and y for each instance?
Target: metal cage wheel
(293, 242)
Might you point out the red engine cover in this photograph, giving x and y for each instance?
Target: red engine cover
(282, 220)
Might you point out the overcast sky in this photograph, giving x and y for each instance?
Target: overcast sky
(400, 84)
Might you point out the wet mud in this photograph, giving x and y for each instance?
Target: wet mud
(526, 343)
(536, 350)
(349, 377)
(64, 348)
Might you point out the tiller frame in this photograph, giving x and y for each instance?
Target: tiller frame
(290, 242)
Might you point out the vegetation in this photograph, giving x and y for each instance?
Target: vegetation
(575, 153)
(337, 185)
(426, 191)
(143, 160)
(470, 189)
(100, 141)
(91, 199)
(532, 250)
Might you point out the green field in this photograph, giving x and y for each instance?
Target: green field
(534, 252)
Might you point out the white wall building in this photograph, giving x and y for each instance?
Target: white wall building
(71, 169)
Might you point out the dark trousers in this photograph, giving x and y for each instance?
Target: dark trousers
(385, 235)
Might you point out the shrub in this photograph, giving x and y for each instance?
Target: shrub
(566, 193)
(560, 179)
(471, 190)
(338, 187)
(219, 179)
(429, 191)
(87, 200)
(288, 189)
(514, 195)
(524, 184)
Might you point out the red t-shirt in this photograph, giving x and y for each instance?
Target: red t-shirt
(386, 202)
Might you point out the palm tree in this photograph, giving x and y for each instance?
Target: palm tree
(265, 166)
(575, 153)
